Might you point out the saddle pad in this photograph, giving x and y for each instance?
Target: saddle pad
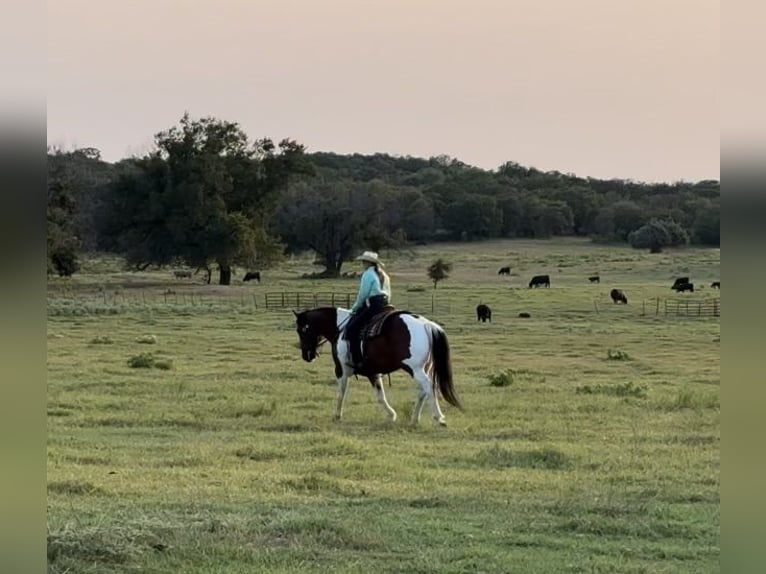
(375, 325)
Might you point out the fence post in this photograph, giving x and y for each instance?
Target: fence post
(657, 312)
(283, 298)
(715, 307)
(699, 309)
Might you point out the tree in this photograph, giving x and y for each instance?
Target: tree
(439, 270)
(62, 242)
(204, 195)
(335, 220)
(617, 220)
(657, 235)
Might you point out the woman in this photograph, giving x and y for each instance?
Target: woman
(374, 294)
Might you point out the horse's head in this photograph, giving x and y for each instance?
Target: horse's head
(312, 326)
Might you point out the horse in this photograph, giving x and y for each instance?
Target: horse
(406, 341)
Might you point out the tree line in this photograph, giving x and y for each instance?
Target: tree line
(208, 196)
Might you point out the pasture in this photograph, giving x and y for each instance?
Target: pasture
(590, 440)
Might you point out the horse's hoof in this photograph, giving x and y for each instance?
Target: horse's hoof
(442, 423)
(337, 418)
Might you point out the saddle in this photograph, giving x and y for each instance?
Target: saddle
(374, 326)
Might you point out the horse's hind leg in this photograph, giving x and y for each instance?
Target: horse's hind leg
(427, 391)
(419, 403)
(377, 383)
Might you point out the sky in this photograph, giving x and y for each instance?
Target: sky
(601, 88)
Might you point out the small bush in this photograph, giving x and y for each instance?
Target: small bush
(624, 390)
(105, 340)
(687, 399)
(504, 379)
(147, 339)
(149, 361)
(617, 355)
(542, 458)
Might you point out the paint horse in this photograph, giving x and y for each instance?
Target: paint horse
(406, 341)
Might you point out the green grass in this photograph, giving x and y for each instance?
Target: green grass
(231, 461)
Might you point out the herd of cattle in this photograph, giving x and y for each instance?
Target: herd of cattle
(680, 285)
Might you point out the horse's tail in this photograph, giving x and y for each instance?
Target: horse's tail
(442, 366)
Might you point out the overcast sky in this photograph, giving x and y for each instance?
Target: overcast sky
(601, 88)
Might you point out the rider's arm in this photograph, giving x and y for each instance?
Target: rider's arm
(364, 291)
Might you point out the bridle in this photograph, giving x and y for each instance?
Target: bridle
(321, 339)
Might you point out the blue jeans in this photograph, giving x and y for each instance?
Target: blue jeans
(358, 319)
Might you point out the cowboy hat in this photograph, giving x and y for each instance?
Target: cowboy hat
(370, 257)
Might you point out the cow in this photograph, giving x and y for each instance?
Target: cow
(483, 313)
(504, 271)
(540, 280)
(524, 315)
(716, 284)
(252, 275)
(594, 279)
(618, 296)
(679, 281)
(182, 274)
(684, 287)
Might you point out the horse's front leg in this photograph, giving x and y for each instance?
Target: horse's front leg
(342, 373)
(377, 383)
(342, 392)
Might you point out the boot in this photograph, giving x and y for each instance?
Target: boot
(356, 354)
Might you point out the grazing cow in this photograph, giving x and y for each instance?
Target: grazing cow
(524, 315)
(540, 281)
(679, 281)
(252, 275)
(618, 296)
(684, 287)
(504, 271)
(182, 274)
(594, 279)
(716, 284)
(483, 313)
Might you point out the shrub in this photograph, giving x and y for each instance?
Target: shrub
(624, 390)
(617, 355)
(149, 361)
(503, 379)
(147, 339)
(101, 340)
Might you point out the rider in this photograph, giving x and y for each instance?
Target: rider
(374, 294)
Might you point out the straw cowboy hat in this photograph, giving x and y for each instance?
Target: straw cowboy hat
(370, 257)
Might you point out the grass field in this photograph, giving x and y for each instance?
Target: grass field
(590, 440)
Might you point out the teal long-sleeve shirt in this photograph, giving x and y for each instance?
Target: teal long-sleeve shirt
(369, 288)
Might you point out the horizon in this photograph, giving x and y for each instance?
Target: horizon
(601, 90)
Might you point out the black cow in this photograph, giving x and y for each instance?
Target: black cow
(252, 275)
(540, 281)
(483, 313)
(716, 284)
(684, 287)
(679, 281)
(618, 296)
(504, 271)
(594, 279)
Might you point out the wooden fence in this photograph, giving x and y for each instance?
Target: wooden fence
(416, 302)
(683, 307)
